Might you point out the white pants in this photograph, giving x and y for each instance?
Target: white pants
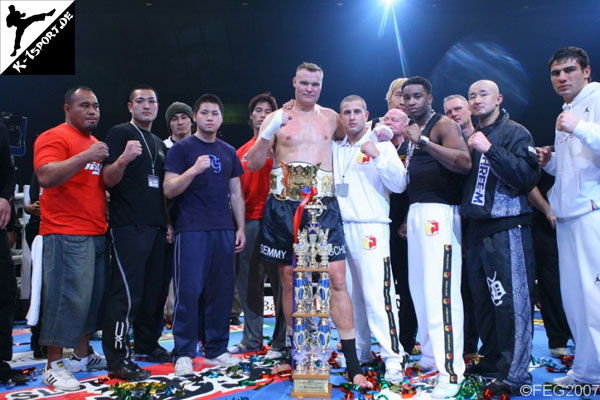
(371, 287)
(434, 277)
(579, 264)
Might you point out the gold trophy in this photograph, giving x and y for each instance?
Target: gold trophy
(311, 253)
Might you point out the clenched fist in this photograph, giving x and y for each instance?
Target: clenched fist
(412, 133)
(133, 149)
(544, 155)
(566, 122)
(96, 152)
(383, 133)
(479, 142)
(201, 164)
(369, 149)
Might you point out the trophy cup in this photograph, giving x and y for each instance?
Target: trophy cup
(311, 253)
(323, 337)
(323, 293)
(299, 338)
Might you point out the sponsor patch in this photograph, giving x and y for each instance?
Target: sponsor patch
(432, 228)
(94, 166)
(363, 158)
(369, 242)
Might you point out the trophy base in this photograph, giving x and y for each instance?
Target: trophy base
(310, 314)
(311, 386)
(310, 269)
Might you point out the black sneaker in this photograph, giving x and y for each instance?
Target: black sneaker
(160, 355)
(130, 372)
(8, 374)
(235, 321)
(497, 388)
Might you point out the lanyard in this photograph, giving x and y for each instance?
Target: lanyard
(348, 162)
(152, 158)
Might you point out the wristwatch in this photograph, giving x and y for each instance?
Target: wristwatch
(423, 140)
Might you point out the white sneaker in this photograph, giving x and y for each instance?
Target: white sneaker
(566, 380)
(558, 352)
(240, 349)
(445, 389)
(225, 360)
(92, 362)
(184, 366)
(59, 377)
(273, 355)
(393, 375)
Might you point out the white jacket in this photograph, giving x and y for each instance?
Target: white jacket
(576, 160)
(370, 181)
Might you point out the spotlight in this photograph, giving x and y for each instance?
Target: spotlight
(389, 3)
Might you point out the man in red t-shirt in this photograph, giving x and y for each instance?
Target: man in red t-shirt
(68, 164)
(251, 269)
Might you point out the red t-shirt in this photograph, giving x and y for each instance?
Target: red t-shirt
(78, 206)
(255, 185)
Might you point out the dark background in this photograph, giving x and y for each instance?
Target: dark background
(237, 49)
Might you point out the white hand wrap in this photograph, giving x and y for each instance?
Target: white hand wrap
(383, 133)
(274, 125)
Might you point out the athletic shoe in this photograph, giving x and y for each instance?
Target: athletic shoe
(59, 377)
(130, 372)
(225, 360)
(558, 352)
(566, 380)
(240, 349)
(91, 362)
(445, 389)
(158, 355)
(184, 366)
(498, 388)
(273, 354)
(393, 375)
(8, 374)
(235, 321)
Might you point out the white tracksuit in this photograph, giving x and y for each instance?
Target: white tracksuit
(575, 201)
(365, 212)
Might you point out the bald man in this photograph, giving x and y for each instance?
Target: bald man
(500, 250)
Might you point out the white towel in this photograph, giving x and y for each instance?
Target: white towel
(37, 251)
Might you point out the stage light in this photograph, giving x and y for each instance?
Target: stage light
(390, 13)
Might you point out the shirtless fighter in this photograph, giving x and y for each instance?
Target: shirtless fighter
(300, 138)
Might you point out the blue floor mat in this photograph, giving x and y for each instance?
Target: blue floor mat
(252, 381)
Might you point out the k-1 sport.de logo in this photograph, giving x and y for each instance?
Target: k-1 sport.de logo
(37, 37)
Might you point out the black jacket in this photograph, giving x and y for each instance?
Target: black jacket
(495, 191)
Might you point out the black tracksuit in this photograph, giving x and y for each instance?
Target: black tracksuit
(500, 259)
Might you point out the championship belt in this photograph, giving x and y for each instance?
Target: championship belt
(295, 180)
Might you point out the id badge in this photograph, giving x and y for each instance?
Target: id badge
(153, 181)
(341, 189)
